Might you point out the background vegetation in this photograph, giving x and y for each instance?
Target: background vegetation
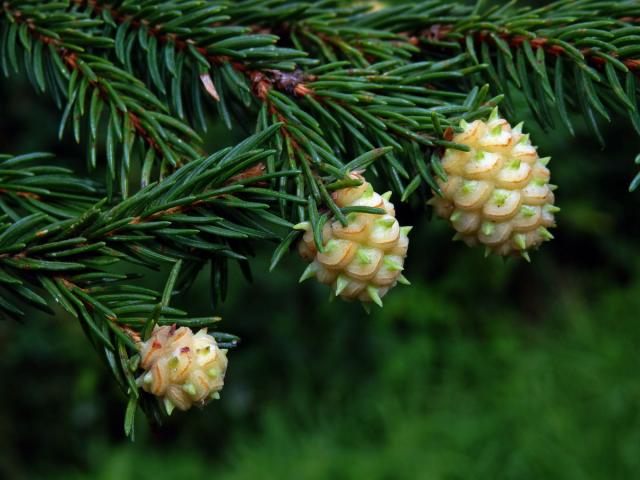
(481, 369)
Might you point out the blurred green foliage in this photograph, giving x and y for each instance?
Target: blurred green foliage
(480, 369)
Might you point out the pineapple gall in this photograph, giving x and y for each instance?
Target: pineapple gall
(498, 193)
(363, 259)
(182, 368)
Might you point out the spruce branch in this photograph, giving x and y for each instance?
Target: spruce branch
(113, 311)
(56, 45)
(207, 211)
(195, 195)
(27, 188)
(348, 113)
(325, 29)
(192, 45)
(193, 215)
(238, 82)
(382, 111)
(331, 89)
(565, 55)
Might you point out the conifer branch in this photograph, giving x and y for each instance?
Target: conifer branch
(235, 80)
(113, 311)
(27, 189)
(331, 88)
(57, 59)
(194, 41)
(193, 215)
(563, 55)
(325, 29)
(208, 211)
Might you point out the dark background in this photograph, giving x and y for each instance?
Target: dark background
(480, 369)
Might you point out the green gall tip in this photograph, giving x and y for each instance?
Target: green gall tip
(488, 228)
(352, 217)
(469, 186)
(527, 211)
(520, 241)
(406, 230)
(331, 246)
(541, 182)
(392, 264)
(552, 208)
(386, 222)
(545, 161)
(368, 192)
(374, 295)
(189, 388)
(213, 373)
(169, 406)
(341, 284)
(500, 197)
(309, 272)
(386, 195)
(363, 257)
(302, 226)
(402, 280)
(526, 256)
(546, 234)
(495, 114)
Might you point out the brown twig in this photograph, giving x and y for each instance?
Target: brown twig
(261, 80)
(31, 195)
(70, 58)
(441, 32)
